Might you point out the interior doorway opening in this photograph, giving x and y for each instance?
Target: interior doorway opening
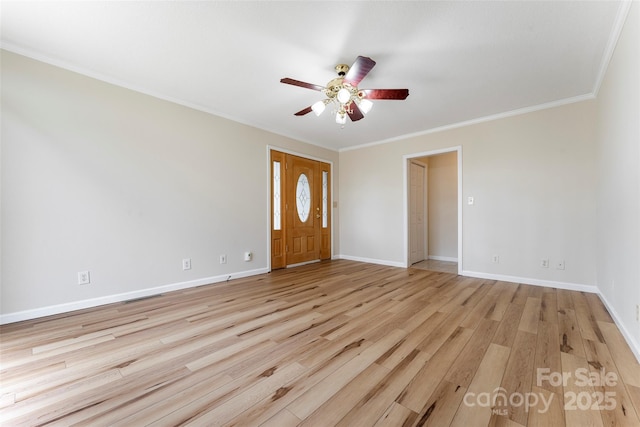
(433, 190)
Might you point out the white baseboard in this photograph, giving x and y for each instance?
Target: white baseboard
(372, 261)
(109, 299)
(443, 258)
(633, 344)
(535, 282)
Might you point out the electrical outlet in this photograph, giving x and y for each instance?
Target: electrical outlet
(186, 264)
(470, 200)
(495, 259)
(84, 278)
(248, 256)
(223, 259)
(544, 263)
(560, 265)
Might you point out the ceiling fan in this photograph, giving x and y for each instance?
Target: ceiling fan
(344, 94)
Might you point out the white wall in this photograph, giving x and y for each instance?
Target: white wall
(618, 190)
(101, 178)
(532, 177)
(443, 206)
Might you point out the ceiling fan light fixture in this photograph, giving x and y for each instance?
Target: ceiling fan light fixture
(318, 107)
(365, 106)
(343, 95)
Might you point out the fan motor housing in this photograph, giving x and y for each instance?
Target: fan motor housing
(342, 69)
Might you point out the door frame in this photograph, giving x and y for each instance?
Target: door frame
(406, 159)
(270, 183)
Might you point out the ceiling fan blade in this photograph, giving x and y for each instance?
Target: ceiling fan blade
(359, 70)
(301, 84)
(385, 93)
(354, 113)
(303, 112)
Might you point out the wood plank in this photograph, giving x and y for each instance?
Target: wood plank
(397, 415)
(565, 301)
(466, 364)
(627, 364)
(410, 343)
(549, 307)
(530, 315)
(598, 309)
(634, 394)
(575, 413)
(518, 375)
(416, 394)
(474, 411)
(325, 389)
(547, 358)
(617, 409)
(503, 299)
(283, 418)
(500, 421)
(286, 395)
(434, 341)
(69, 397)
(548, 409)
(341, 402)
(442, 405)
(484, 308)
(521, 294)
(569, 333)
(589, 329)
(200, 412)
(372, 406)
(143, 403)
(508, 327)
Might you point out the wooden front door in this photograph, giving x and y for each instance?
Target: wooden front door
(301, 211)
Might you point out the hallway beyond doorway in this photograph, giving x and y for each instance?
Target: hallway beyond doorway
(435, 265)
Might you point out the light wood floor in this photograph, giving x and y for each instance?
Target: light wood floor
(436, 265)
(334, 343)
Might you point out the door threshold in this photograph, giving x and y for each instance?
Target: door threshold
(302, 263)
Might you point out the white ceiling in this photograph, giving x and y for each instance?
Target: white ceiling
(461, 61)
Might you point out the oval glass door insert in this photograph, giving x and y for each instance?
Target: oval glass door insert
(303, 197)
